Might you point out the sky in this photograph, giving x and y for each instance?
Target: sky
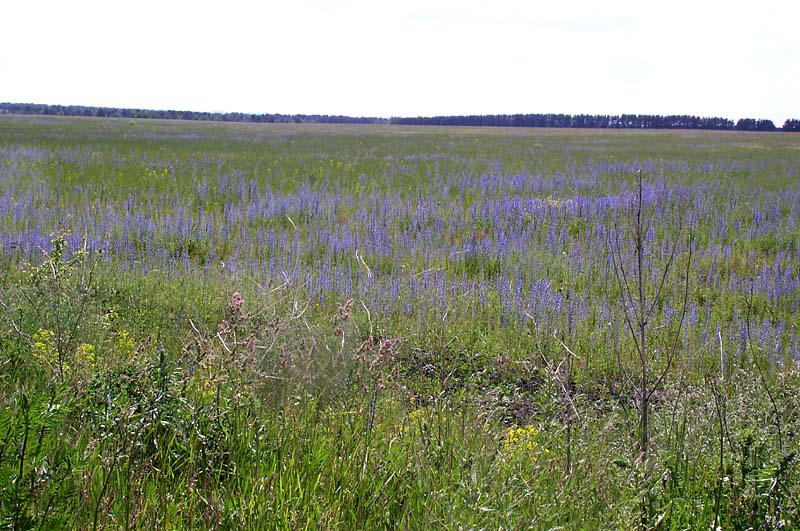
(732, 59)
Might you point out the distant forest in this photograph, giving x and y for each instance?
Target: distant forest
(597, 121)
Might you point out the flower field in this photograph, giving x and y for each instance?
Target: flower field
(208, 325)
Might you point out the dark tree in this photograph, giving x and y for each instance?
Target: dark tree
(751, 124)
(791, 125)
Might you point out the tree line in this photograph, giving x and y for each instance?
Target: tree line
(113, 112)
(593, 121)
(603, 121)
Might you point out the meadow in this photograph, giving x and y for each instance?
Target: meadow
(267, 326)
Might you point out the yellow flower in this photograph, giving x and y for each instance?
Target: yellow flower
(125, 341)
(522, 441)
(207, 387)
(44, 347)
(45, 350)
(84, 355)
(416, 422)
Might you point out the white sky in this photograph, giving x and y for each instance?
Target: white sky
(733, 59)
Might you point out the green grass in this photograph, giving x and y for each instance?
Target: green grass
(209, 398)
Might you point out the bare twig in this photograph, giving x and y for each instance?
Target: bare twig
(673, 350)
(638, 310)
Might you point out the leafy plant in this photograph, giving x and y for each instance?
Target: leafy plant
(51, 309)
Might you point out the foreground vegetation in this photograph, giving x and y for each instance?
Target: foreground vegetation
(316, 327)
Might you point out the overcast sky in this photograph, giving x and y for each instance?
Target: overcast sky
(407, 58)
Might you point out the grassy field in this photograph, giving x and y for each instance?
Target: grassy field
(216, 326)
